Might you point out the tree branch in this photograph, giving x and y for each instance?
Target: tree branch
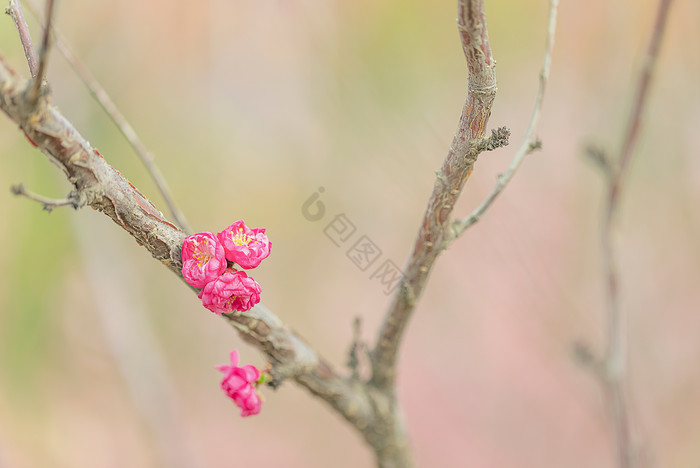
(434, 231)
(15, 12)
(33, 94)
(615, 363)
(100, 186)
(529, 143)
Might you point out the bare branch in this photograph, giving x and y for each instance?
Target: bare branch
(110, 108)
(15, 11)
(615, 363)
(642, 91)
(456, 168)
(529, 143)
(33, 93)
(48, 203)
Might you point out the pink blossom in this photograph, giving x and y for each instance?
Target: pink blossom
(245, 246)
(203, 259)
(239, 385)
(233, 290)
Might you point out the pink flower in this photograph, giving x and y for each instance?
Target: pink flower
(247, 247)
(233, 290)
(203, 259)
(239, 385)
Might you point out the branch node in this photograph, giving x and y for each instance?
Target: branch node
(409, 293)
(600, 158)
(32, 94)
(499, 138)
(535, 145)
(279, 373)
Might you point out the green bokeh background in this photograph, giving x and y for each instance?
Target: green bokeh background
(249, 107)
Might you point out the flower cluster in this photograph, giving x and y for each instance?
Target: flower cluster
(240, 385)
(208, 262)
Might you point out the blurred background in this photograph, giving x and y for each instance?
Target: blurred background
(249, 107)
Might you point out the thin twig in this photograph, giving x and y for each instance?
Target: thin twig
(529, 144)
(110, 108)
(616, 356)
(15, 11)
(356, 348)
(33, 93)
(468, 142)
(642, 91)
(49, 203)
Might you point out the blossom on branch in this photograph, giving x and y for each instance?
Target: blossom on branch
(234, 290)
(203, 259)
(240, 384)
(245, 246)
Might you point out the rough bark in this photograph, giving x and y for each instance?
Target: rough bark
(434, 232)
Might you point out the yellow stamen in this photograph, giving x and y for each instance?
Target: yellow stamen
(202, 254)
(239, 238)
